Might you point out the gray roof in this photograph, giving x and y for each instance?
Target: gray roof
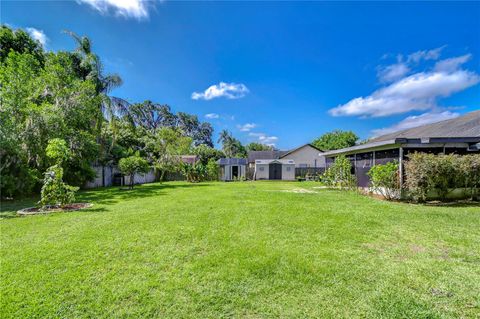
(462, 126)
(466, 127)
(232, 161)
(260, 155)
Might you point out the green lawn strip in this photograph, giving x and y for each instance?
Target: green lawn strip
(251, 249)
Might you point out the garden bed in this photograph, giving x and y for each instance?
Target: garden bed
(53, 209)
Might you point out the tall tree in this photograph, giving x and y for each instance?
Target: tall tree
(230, 145)
(151, 116)
(19, 41)
(90, 67)
(336, 140)
(254, 146)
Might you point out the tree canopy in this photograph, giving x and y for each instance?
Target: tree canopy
(66, 95)
(335, 140)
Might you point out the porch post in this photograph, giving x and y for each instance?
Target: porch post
(400, 166)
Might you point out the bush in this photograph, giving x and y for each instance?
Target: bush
(384, 179)
(193, 173)
(132, 165)
(57, 150)
(426, 173)
(339, 174)
(212, 170)
(54, 191)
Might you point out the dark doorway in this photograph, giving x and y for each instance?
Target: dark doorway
(234, 172)
(275, 171)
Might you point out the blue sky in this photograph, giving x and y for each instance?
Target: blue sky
(279, 72)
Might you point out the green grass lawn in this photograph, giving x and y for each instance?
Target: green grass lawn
(244, 250)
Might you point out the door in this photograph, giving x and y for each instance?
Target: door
(234, 172)
(275, 171)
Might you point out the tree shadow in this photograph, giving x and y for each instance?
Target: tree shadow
(454, 204)
(101, 196)
(111, 195)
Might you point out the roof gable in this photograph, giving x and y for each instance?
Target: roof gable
(299, 148)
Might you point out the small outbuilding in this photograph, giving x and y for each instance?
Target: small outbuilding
(275, 169)
(232, 169)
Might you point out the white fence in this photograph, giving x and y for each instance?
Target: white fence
(105, 174)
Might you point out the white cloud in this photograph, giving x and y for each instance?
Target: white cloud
(212, 116)
(416, 120)
(433, 54)
(392, 72)
(137, 9)
(419, 91)
(264, 138)
(228, 90)
(451, 64)
(38, 35)
(246, 127)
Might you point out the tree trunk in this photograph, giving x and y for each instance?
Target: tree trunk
(131, 180)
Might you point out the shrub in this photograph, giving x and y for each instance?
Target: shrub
(132, 165)
(212, 169)
(54, 191)
(425, 173)
(339, 174)
(57, 150)
(193, 172)
(384, 179)
(468, 169)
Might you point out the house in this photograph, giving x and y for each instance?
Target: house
(232, 168)
(188, 159)
(274, 169)
(306, 155)
(262, 155)
(460, 135)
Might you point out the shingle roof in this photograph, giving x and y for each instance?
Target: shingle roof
(232, 161)
(462, 126)
(259, 155)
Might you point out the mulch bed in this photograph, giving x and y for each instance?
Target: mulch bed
(52, 209)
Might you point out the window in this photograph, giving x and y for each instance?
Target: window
(288, 168)
(261, 168)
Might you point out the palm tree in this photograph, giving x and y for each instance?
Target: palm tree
(225, 138)
(90, 68)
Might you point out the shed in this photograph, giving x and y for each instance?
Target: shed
(232, 168)
(275, 169)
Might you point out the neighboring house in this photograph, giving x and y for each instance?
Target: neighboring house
(189, 159)
(306, 155)
(460, 136)
(263, 155)
(232, 168)
(274, 169)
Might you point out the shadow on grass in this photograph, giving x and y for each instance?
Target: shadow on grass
(102, 196)
(113, 195)
(454, 204)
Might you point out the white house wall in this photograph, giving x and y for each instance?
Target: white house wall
(288, 172)
(261, 171)
(306, 156)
